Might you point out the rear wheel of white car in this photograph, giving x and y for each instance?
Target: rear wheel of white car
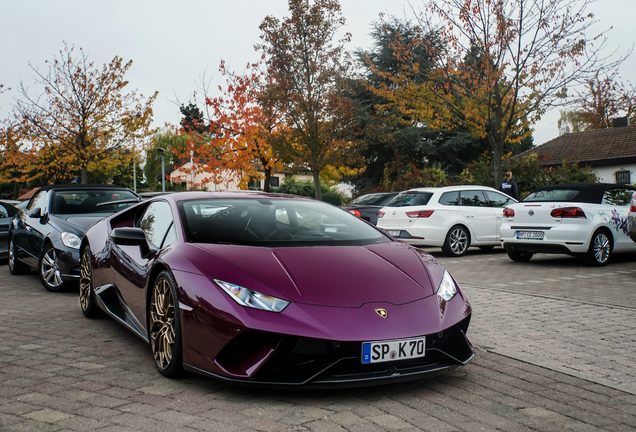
(457, 241)
(519, 255)
(600, 248)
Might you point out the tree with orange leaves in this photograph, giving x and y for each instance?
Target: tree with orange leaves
(505, 62)
(237, 139)
(306, 61)
(84, 118)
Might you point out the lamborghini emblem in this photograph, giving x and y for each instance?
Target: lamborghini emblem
(382, 312)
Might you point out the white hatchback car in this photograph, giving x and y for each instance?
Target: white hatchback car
(453, 217)
(583, 220)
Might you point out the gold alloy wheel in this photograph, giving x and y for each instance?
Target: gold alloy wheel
(85, 281)
(162, 323)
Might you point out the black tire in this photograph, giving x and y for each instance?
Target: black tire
(600, 250)
(457, 241)
(160, 318)
(519, 255)
(88, 304)
(16, 267)
(48, 270)
(487, 248)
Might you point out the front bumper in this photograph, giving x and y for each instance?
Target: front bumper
(68, 261)
(291, 361)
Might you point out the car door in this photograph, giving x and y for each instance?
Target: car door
(132, 266)
(498, 201)
(30, 229)
(479, 215)
(615, 210)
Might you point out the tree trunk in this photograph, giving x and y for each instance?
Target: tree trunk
(268, 176)
(84, 175)
(316, 173)
(497, 149)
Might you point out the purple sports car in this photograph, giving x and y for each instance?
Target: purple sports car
(272, 289)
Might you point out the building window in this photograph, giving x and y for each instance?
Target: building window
(254, 184)
(623, 177)
(274, 181)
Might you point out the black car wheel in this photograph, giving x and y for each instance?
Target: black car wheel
(165, 326)
(86, 294)
(519, 255)
(49, 271)
(16, 267)
(600, 249)
(457, 241)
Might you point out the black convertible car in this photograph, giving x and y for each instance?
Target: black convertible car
(47, 235)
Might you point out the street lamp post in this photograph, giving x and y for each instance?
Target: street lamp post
(162, 152)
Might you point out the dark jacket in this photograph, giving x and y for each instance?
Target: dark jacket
(510, 188)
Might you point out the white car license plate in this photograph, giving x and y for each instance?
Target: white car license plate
(395, 233)
(393, 350)
(530, 235)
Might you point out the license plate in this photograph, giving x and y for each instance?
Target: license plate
(393, 350)
(395, 233)
(530, 235)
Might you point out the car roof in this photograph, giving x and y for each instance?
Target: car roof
(192, 195)
(588, 192)
(81, 186)
(449, 188)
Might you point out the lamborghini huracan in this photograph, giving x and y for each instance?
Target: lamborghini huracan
(272, 289)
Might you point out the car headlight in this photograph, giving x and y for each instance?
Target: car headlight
(253, 299)
(71, 240)
(447, 288)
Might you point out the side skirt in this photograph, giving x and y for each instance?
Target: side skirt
(109, 300)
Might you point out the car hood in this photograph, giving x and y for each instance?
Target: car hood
(77, 224)
(341, 276)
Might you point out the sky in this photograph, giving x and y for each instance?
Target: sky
(175, 44)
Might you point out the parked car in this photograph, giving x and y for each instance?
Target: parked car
(46, 235)
(367, 206)
(453, 217)
(631, 218)
(7, 212)
(587, 220)
(271, 289)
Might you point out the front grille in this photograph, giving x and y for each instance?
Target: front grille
(299, 360)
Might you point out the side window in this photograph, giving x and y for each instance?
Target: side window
(617, 197)
(156, 221)
(473, 198)
(39, 200)
(449, 198)
(497, 199)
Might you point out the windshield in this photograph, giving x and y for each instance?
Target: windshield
(407, 199)
(378, 199)
(554, 195)
(87, 201)
(277, 222)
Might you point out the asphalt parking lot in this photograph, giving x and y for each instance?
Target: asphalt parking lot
(556, 350)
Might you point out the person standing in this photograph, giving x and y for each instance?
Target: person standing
(508, 186)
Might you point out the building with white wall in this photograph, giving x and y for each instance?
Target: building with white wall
(610, 153)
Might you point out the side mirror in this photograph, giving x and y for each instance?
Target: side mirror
(36, 213)
(130, 237)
